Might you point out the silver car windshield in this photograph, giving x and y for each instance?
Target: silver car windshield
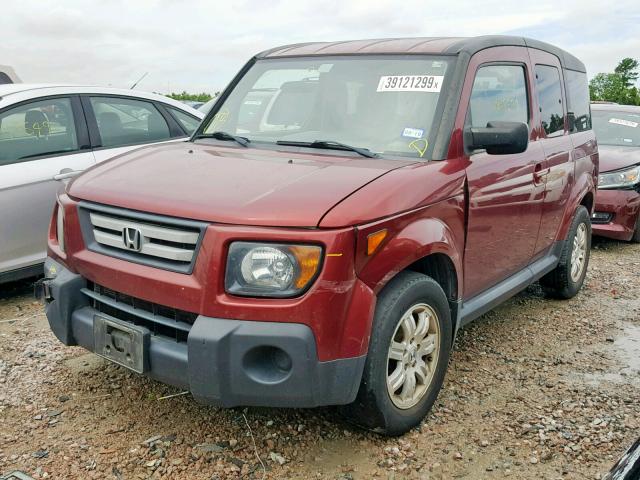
(385, 104)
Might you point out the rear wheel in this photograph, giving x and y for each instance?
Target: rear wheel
(408, 356)
(566, 280)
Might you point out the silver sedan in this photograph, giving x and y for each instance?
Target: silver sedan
(51, 133)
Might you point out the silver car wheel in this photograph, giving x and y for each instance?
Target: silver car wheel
(413, 355)
(579, 252)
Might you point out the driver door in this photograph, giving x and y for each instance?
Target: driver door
(505, 193)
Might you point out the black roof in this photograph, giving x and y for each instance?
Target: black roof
(427, 45)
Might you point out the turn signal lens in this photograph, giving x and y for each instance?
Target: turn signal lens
(308, 258)
(374, 240)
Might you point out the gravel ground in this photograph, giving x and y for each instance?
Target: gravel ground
(536, 389)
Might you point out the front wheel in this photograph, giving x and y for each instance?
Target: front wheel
(566, 280)
(408, 356)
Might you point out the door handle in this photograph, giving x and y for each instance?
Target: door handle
(540, 174)
(66, 173)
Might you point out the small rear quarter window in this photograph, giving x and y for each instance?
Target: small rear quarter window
(550, 99)
(578, 100)
(189, 123)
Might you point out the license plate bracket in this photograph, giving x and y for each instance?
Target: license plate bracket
(121, 342)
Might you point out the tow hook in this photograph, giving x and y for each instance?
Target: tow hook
(42, 290)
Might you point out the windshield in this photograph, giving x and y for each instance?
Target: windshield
(386, 105)
(617, 128)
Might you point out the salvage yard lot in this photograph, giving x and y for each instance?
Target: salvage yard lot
(537, 388)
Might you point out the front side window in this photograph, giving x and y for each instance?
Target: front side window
(124, 121)
(578, 100)
(386, 105)
(617, 128)
(550, 99)
(188, 123)
(37, 129)
(499, 93)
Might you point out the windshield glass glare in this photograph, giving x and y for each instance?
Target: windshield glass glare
(386, 105)
(617, 128)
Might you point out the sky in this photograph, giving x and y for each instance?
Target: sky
(198, 46)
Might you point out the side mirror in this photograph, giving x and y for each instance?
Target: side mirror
(498, 138)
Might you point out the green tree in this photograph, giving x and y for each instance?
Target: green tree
(196, 97)
(628, 71)
(619, 86)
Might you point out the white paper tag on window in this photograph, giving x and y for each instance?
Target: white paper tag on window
(413, 132)
(410, 83)
(626, 123)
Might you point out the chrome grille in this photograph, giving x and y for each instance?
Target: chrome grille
(158, 241)
(154, 240)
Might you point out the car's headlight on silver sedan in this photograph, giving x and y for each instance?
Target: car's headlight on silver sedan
(620, 179)
(270, 269)
(60, 226)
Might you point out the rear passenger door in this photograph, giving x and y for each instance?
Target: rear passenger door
(551, 125)
(120, 124)
(505, 197)
(38, 139)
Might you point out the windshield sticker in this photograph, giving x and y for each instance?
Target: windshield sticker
(628, 140)
(219, 119)
(410, 83)
(420, 145)
(413, 132)
(626, 123)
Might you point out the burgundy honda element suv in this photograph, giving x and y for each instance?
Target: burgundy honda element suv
(340, 213)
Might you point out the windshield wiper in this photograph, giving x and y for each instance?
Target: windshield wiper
(330, 145)
(219, 135)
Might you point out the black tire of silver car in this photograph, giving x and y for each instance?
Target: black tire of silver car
(566, 280)
(409, 351)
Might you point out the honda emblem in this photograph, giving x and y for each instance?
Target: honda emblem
(132, 238)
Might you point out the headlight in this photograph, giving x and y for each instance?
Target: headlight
(60, 226)
(621, 179)
(271, 270)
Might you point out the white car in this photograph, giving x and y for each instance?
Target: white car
(51, 133)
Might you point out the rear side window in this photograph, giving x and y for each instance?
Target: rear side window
(499, 94)
(578, 106)
(550, 99)
(187, 122)
(123, 121)
(36, 129)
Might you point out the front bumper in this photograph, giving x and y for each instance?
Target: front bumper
(623, 207)
(222, 362)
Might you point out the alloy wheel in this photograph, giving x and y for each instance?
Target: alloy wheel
(579, 252)
(413, 355)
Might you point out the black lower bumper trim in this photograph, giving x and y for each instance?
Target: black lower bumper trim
(224, 362)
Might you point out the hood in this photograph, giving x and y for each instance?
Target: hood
(614, 158)
(229, 185)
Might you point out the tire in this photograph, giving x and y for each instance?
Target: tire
(375, 408)
(563, 282)
(636, 233)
